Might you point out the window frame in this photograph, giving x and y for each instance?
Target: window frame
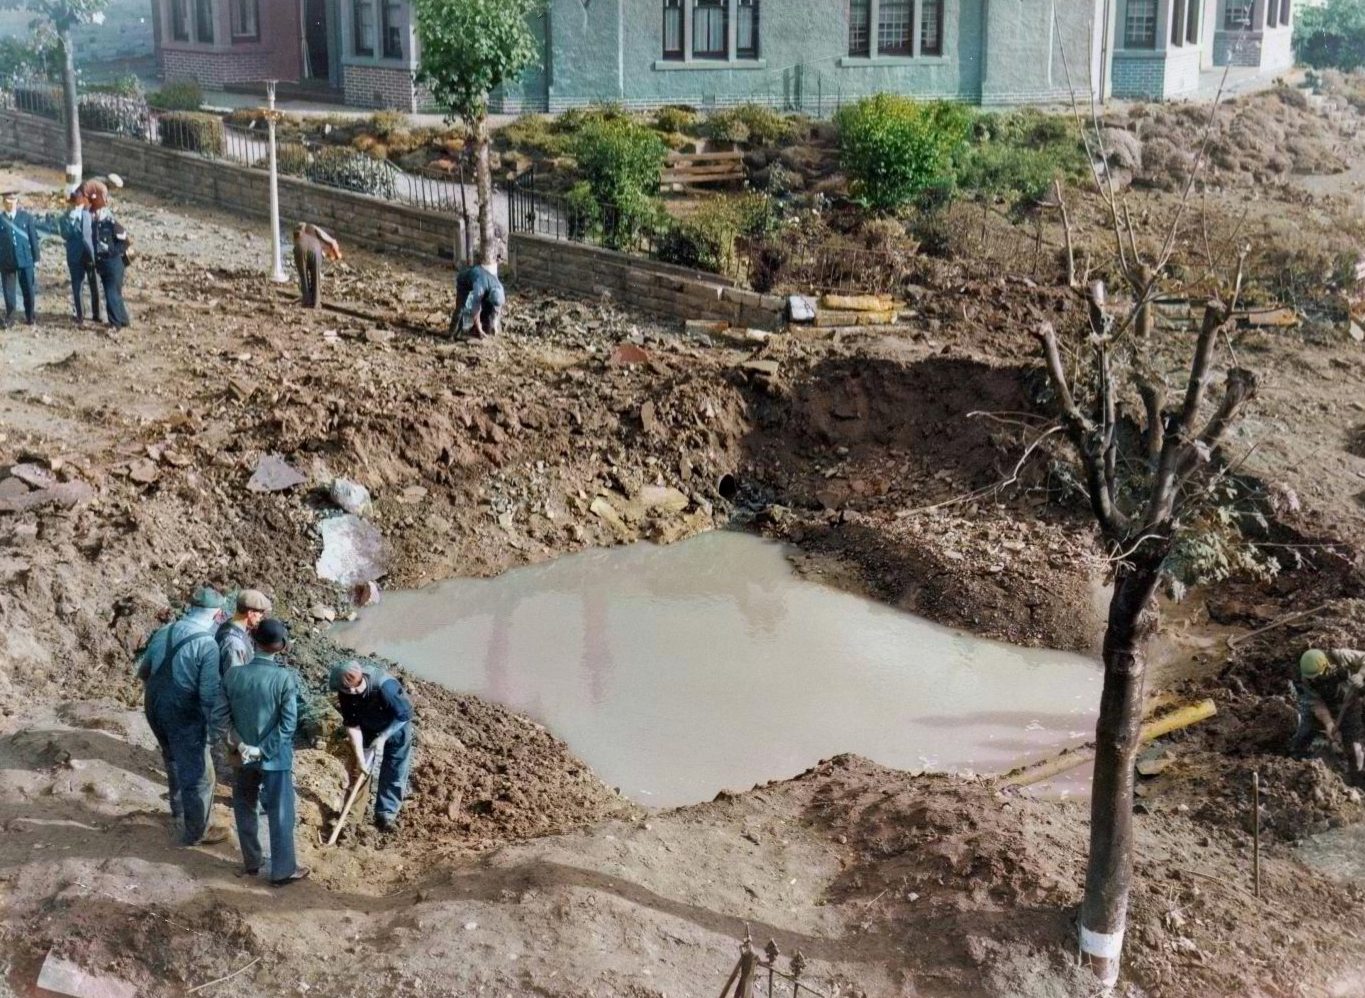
(1178, 15)
(1146, 42)
(180, 25)
(896, 51)
(1286, 12)
(865, 52)
(1192, 25)
(940, 13)
(358, 35)
(391, 30)
(1243, 8)
(204, 24)
(711, 55)
(1272, 13)
(742, 51)
(239, 7)
(674, 8)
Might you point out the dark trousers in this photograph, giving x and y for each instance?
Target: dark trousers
(255, 789)
(308, 263)
(83, 272)
(189, 770)
(28, 287)
(111, 276)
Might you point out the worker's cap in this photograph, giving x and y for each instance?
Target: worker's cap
(346, 676)
(208, 598)
(115, 180)
(253, 599)
(270, 633)
(1312, 663)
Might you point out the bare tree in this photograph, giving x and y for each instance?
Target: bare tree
(1150, 462)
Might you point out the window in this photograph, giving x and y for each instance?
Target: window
(1139, 25)
(859, 27)
(1237, 15)
(673, 29)
(1178, 21)
(1192, 23)
(363, 27)
(1284, 12)
(931, 28)
(180, 20)
(203, 21)
(893, 27)
(746, 31)
(246, 19)
(710, 30)
(391, 28)
(1271, 9)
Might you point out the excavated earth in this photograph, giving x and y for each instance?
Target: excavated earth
(892, 463)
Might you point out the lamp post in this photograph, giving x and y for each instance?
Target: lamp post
(277, 255)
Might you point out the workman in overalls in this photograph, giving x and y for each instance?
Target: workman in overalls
(377, 716)
(479, 301)
(179, 670)
(1329, 692)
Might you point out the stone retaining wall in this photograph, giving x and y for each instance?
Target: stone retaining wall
(643, 284)
(353, 218)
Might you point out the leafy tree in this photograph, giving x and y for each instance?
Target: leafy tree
(61, 17)
(621, 162)
(469, 49)
(1331, 36)
(893, 148)
(25, 57)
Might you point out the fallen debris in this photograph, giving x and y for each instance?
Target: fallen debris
(275, 474)
(66, 978)
(353, 551)
(350, 496)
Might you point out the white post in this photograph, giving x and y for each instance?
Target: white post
(276, 251)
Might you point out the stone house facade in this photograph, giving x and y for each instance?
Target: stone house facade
(810, 54)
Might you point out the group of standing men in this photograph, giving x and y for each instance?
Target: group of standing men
(211, 681)
(98, 250)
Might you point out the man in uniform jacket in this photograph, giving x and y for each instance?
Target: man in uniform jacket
(77, 229)
(18, 257)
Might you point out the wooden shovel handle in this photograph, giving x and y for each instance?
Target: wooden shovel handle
(346, 810)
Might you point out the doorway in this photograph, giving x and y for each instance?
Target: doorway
(317, 48)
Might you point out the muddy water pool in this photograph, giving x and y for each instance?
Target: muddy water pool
(679, 671)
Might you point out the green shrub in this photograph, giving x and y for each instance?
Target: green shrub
(535, 135)
(190, 131)
(708, 239)
(583, 214)
(291, 158)
(575, 119)
(32, 57)
(335, 166)
(675, 118)
(127, 85)
(383, 124)
(38, 98)
(185, 96)
(892, 147)
(749, 124)
(115, 115)
(1017, 155)
(1331, 36)
(621, 162)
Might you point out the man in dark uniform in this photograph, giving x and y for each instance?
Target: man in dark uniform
(77, 229)
(19, 255)
(113, 251)
(311, 246)
(377, 716)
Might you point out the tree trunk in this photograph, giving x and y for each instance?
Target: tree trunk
(483, 178)
(1104, 911)
(70, 109)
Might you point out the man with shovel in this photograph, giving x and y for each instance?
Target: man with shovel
(1329, 693)
(377, 716)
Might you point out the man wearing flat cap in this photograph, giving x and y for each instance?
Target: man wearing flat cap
(18, 257)
(235, 645)
(179, 671)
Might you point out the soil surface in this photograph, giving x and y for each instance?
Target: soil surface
(908, 465)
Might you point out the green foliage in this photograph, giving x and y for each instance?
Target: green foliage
(1017, 155)
(535, 135)
(127, 85)
(62, 15)
(749, 124)
(115, 115)
(1221, 542)
(291, 158)
(184, 96)
(893, 148)
(675, 118)
(472, 47)
(189, 131)
(708, 238)
(28, 58)
(335, 166)
(575, 119)
(621, 162)
(1331, 35)
(384, 125)
(583, 213)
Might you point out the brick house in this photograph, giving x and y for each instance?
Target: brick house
(813, 54)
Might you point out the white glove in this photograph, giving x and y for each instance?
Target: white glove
(249, 753)
(374, 757)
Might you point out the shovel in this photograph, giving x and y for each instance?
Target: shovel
(346, 810)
